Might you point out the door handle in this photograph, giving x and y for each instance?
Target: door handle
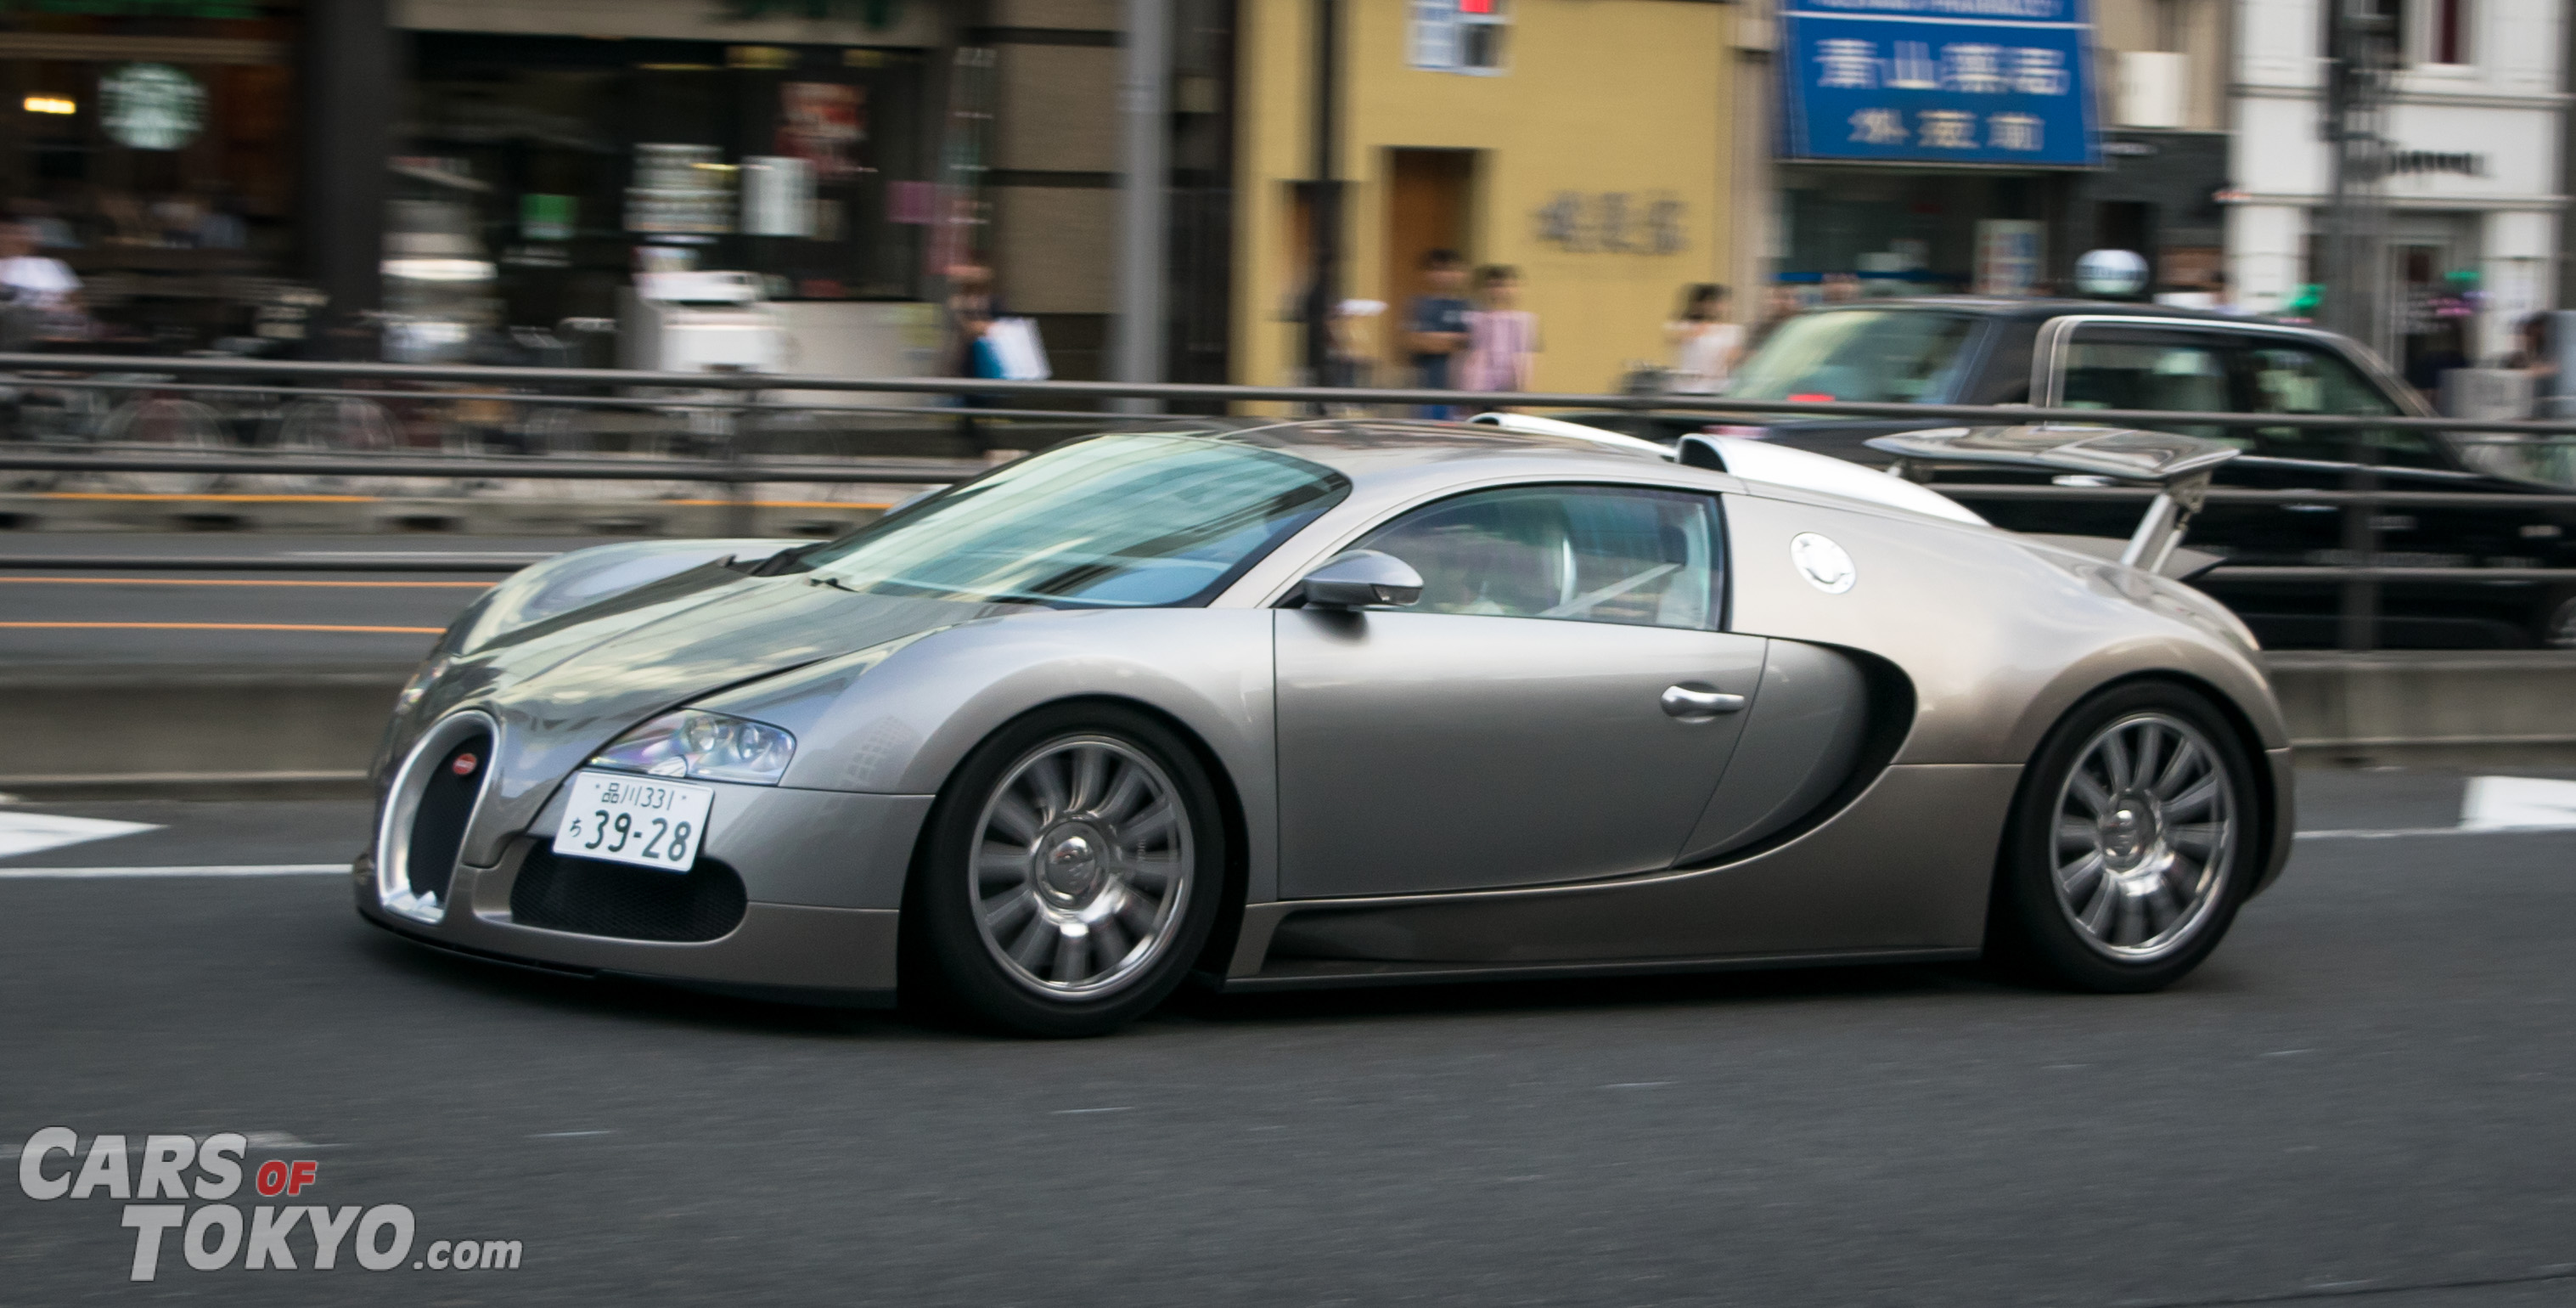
(1696, 703)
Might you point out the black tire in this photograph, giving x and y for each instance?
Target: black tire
(955, 965)
(2167, 869)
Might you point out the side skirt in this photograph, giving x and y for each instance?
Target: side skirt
(1336, 974)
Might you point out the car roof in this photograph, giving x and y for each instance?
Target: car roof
(1370, 447)
(2019, 310)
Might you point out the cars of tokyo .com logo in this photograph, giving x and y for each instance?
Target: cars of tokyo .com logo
(215, 1235)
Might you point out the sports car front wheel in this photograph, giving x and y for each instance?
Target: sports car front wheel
(2133, 840)
(1070, 873)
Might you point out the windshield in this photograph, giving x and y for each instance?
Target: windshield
(1114, 521)
(1858, 355)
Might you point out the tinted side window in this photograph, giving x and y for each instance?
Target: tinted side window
(2004, 378)
(2295, 377)
(1579, 553)
(2129, 368)
(1871, 355)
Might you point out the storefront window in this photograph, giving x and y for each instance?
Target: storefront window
(578, 163)
(150, 148)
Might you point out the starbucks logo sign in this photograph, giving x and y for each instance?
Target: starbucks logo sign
(151, 106)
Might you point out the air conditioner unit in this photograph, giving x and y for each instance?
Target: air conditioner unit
(2154, 86)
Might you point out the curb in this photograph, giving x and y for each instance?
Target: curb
(144, 731)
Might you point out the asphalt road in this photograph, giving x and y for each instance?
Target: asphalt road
(146, 615)
(2365, 1095)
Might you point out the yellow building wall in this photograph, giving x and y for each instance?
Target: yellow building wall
(1599, 97)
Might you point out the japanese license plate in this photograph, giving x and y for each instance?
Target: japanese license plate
(625, 818)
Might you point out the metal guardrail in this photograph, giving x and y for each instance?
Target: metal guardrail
(713, 471)
(249, 563)
(753, 391)
(736, 402)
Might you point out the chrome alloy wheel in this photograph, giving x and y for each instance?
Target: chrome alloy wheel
(1082, 867)
(2146, 836)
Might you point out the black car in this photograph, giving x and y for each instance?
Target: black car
(2089, 355)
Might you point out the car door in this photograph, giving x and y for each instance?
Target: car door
(1558, 705)
(2298, 374)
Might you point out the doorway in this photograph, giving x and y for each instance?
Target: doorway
(2430, 311)
(1430, 201)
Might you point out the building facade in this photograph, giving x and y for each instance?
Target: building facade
(153, 143)
(2165, 165)
(2474, 124)
(854, 154)
(1923, 147)
(421, 177)
(1926, 147)
(1586, 143)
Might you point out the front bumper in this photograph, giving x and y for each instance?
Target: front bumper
(822, 878)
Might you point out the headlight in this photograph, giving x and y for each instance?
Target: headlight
(696, 743)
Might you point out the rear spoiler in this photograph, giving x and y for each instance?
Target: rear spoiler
(2177, 466)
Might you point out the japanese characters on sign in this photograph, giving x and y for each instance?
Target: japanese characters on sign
(1612, 222)
(1938, 81)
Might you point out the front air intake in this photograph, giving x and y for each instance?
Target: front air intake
(590, 897)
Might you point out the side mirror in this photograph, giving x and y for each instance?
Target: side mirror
(1360, 579)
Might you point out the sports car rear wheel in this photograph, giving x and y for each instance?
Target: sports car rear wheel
(2132, 843)
(1071, 872)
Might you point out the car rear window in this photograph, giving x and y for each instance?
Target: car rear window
(1859, 355)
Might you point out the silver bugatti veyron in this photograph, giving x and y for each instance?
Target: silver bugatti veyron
(1350, 702)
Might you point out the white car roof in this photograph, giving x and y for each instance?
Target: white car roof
(1779, 465)
(1757, 460)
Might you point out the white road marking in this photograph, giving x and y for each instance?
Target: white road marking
(281, 1141)
(2517, 803)
(2392, 833)
(217, 870)
(28, 833)
(1066, 1112)
(566, 1135)
(259, 1141)
(2488, 806)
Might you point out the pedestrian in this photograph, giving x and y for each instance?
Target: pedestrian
(1348, 333)
(1436, 326)
(39, 294)
(1501, 335)
(1780, 306)
(2442, 350)
(1705, 345)
(972, 307)
(2532, 353)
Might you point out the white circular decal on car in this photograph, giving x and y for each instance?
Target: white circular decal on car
(1825, 565)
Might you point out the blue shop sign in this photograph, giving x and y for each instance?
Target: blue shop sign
(1938, 81)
